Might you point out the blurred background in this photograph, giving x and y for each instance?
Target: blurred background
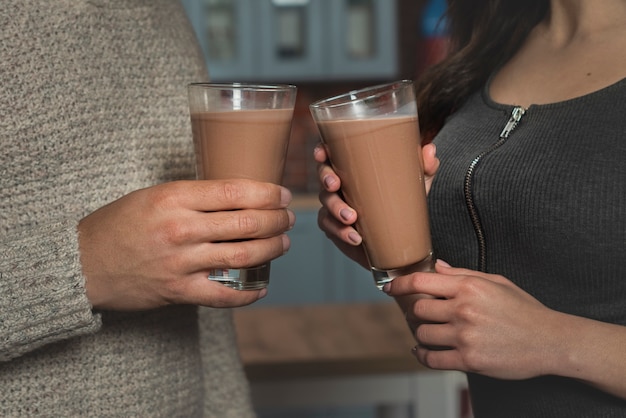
(325, 47)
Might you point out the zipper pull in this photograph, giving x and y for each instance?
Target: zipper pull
(516, 116)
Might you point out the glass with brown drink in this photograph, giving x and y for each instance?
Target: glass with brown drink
(373, 142)
(241, 131)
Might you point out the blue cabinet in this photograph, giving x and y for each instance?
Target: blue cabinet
(296, 40)
(314, 271)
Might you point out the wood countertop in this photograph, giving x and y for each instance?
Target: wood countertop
(324, 340)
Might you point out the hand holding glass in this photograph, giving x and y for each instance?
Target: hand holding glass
(241, 131)
(373, 142)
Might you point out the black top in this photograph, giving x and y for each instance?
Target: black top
(546, 208)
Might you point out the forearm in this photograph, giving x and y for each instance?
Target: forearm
(591, 351)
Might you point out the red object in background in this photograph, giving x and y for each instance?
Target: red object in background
(466, 406)
(431, 51)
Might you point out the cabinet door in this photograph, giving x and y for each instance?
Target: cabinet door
(291, 43)
(224, 29)
(314, 271)
(364, 37)
(296, 40)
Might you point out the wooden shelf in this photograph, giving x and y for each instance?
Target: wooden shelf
(324, 340)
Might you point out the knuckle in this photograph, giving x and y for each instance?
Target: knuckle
(466, 312)
(170, 286)
(470, 286)
(473, 360)
(238, 257)
(164, 197)
(174, 232)
(271, 193)
(420, 309)
(248, 224)
(175, 291)
(230, 192)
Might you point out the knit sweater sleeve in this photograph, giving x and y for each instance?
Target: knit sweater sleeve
(42, 290)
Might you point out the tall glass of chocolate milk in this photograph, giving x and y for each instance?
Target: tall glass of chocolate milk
(241, 131)
(373, 142)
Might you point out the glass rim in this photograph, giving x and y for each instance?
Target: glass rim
(242, 86)
(360, 95)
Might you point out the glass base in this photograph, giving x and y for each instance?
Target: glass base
(381, 277)
(252, 278)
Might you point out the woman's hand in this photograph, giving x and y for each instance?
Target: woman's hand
(483, 323)
(431, 164)
(154, 246)
(336, 218)
(479, 323)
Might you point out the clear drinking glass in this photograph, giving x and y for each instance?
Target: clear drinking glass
(241, 131)
(373, 142)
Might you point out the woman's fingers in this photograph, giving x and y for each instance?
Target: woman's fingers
(319, 153)
(431, 310)
(431, 162)
(437, 358)
(335, 229)
(329, 180)
(436, 335)
(336, 218)
(337, 207)
(423, 283)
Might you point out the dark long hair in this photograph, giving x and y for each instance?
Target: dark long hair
(484, 34)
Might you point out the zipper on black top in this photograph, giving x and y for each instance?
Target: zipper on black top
(515, 118)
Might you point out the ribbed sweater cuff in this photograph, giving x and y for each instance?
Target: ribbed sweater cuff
(43, 290)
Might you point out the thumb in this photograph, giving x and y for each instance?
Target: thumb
(443, 265)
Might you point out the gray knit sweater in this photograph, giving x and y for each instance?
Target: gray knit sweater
(93, 106)
(546, 208)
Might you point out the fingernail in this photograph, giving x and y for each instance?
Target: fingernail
(355, 238)
(346, 214)
(286, 243)
(443, 263)
(262, 294)
(329, 181)
(292, 218)
(414, 350)
(386, 287)
(285, 196)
